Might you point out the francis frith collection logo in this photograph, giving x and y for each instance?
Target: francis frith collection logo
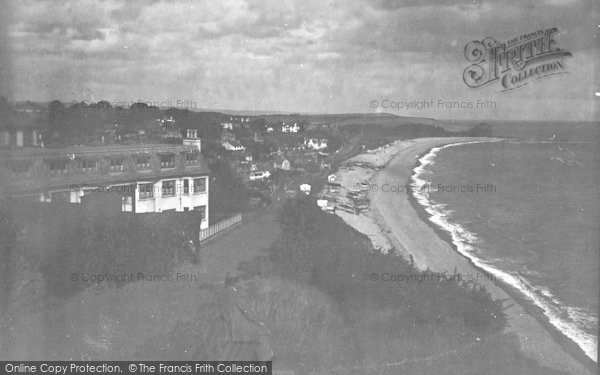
(516, 62)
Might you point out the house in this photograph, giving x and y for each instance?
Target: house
(21, 130)
(142, 178)
(239, 119)
(315, 143)
(20, 137)
(28, 107)
(290, 128)
(107, 134)
(282, 163)
(235, 122)
(305, 188)
(233, 146)
(259, 175)
(246, 158)
(166, 127)
(191, 139)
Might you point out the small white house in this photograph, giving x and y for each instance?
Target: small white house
(315, 143)
(322, 203)
(259, 175)
(236, 146)
(305, 188)
(290, 128)
(282, 163)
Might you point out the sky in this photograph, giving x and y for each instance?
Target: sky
(300, 56)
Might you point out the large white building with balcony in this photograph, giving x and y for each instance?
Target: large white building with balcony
(144, 178)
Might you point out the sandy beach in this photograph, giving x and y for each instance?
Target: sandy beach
(392, 221)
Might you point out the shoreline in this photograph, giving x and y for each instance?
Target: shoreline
(405, 226)
(567, 344)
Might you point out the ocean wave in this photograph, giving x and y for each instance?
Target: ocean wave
(569, 320)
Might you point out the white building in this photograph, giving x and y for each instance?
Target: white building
(315, 143)
(290, 128)
(178, 194)
(236, 146)
(187, 193)
(140, 178)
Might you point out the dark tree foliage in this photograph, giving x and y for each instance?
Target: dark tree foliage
(56, 116)
(227, 192)
(8, 254)
(429, 327)
(103, 105)
(4, 105)
(323, 251)
(67, 239)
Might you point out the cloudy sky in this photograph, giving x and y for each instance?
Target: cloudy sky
(302, 56)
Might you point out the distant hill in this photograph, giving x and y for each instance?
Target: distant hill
(345, 119)
(366, 119)
(82, 123)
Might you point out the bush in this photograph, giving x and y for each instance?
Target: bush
(227, 192)
(61, 240)
(384, 322)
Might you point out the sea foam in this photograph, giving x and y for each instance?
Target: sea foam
(570, 321)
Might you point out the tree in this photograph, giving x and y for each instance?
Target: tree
(56, 116)
(227, 192)
(259, 125)
(103, 104)
(4, 106)
(138, 106)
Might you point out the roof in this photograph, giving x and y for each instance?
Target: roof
(30, 186)
(40, 182)
(19, 120)
(101, 150)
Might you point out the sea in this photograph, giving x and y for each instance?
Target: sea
(527, 210)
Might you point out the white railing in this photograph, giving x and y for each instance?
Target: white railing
(219, 227)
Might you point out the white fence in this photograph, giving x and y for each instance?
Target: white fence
(219, 227)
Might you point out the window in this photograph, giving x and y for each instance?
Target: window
(168, 188)
(200, 185)
(191, 159)
(186, 186)
(202, 210)
(88, 165)
(167, 161)
(57, 166)
(116, 165)
(143, 162)
(146, 191)
(127, 203)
